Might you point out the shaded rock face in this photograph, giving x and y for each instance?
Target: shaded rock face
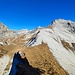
(21, 67)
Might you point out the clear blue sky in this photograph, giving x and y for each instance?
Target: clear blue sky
(22, 14)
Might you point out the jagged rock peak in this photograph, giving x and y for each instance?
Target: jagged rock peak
(3, 27)
(62, 21)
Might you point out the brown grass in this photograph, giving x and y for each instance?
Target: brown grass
(50, 27)
(5, 49)
(2, 52)
(67, 45)
(40, 57)
(19, 39)
(73, 44)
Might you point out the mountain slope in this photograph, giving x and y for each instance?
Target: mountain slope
(53, 47)
(39, 57)
(44, 60)
(61, 41)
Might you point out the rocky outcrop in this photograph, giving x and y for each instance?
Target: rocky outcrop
(21, 66)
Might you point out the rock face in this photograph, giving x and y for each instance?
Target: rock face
(69, 25)
(7, 33)
(4, 31)
(3, 27)
(51, 50)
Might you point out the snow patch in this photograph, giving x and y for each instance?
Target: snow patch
(3, 63)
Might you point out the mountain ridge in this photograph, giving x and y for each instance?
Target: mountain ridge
(59, 37)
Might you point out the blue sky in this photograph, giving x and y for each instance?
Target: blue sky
(22, 14)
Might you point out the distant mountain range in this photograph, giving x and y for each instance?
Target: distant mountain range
(50, 49)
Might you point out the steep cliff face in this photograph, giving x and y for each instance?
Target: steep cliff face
(51, 50)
